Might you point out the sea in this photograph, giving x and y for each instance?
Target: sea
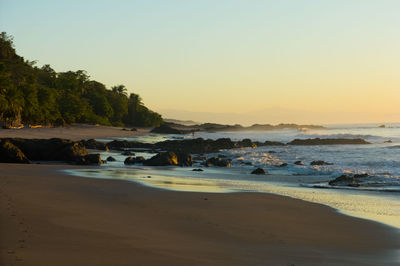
(377, 197)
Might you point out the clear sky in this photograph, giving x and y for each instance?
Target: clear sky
(235, 61)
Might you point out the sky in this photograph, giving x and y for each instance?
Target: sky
(301, 61)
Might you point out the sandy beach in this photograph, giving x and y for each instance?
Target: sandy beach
(73, 132)
(48, 218)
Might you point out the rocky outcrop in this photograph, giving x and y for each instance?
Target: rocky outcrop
(94, 144)
(217, 161)
(162, 159)
(50, 149)
(347, 180)
(134, 160)
(9, 153)
(185, 159)
(258, 171)
(320, 163)
(111, 159)
(90, 159)
(165, 129)
(318, 141)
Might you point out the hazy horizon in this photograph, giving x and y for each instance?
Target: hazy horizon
(233, 61)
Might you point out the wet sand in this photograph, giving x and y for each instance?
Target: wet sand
(74, 132)
(48, 218)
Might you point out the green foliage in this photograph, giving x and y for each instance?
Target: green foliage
(39, 95)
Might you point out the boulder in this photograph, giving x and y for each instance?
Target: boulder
(162, 159)
(134, 160)
(165, 129)
(320, 163)
(259, 171)
(111, 159)
(185, 159)
(9, 153)
(283, 165)
(128, 153)
(94, 144)
(216, 161)
(90, 159)
(298, 163)
(198, 170)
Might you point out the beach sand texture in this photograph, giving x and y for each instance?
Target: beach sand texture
(48, 218)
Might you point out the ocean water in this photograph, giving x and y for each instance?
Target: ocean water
(377, 198)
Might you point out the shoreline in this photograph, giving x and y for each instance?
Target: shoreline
(73, 132)
(66, 220)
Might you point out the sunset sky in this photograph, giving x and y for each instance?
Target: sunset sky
(226, 61)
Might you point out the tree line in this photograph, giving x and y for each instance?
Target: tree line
(39, 95)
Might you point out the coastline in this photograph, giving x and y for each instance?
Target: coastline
(54, 218)
(72, 132)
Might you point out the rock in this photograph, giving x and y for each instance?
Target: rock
(133, 129)
(382, 126)
(361, 175)
(298, 163)
(283, 164)
(273, 143)
(50, 149)
(165, 129)
(9, 153)
(162, 159)
(271, 152)
(185, 159)
(128, 153)
(90, 159)
(214, 161)
(388, 141)
(94, 144)
(320, 163)
(318, 141)
(134, 160)
(258, 171)
(197, 170)
(248, 163)
(111, 159)
(346, 180)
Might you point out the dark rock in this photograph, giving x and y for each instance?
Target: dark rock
(133, 129)
(320, 163)
(217, 162)
(298, 163)
(50, 149)
(283, 164)
(270, 152)
(248, 163)
(9, 153)
(185, 159)
(134, 160)
(388, 141)
(197, 170)
(318, 141)
(94, 144)
(273, 143)
(128, 153)
(165, 129)
(342, 180)
(382, 126)
(361, 175)
(111, 159)
(162, 159)
(90, 159)
(258, 171)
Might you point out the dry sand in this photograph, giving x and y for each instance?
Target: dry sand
(48, 218)
(74, 132)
